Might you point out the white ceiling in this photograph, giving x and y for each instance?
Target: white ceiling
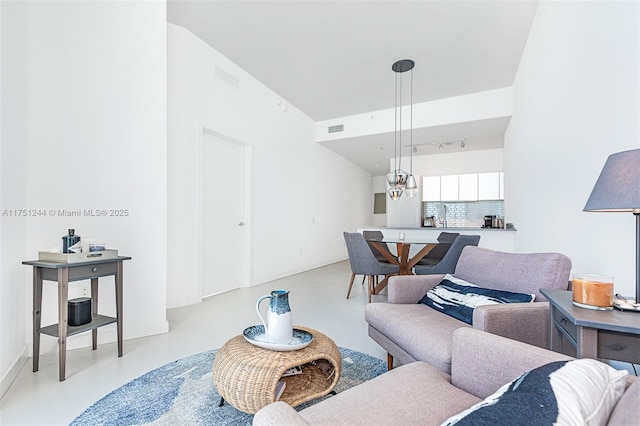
(373, 152)
(333, 58)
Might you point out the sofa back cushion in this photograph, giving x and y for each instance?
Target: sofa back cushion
(502, 360)
(517, 272)
(627, 406)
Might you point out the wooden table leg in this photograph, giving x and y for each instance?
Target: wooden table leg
(37, 315)
(403, 255)
(381, 285)
(422, 253)
(63, 290)
(587, 343)
(94, 311)
(119, 305)
(555, 335)
(384, 250)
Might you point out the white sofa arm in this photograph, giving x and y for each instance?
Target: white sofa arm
(411, 288)
(277, 414)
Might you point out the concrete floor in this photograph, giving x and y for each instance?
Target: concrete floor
(317, 300)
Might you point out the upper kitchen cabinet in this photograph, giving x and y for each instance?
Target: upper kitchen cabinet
(490, 186)
(459, 187)
(468, 187)
(431, 188)
(449, 188)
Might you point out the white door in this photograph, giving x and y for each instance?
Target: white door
(223, 239)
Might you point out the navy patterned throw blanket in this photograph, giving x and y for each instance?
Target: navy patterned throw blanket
(458, 298)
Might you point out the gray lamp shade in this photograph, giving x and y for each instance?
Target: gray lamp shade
(618, 187)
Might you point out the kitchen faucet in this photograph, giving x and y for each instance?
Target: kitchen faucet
(444, 222)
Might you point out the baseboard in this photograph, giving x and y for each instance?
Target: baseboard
(273, 277)
(13, 372)
(160, 327)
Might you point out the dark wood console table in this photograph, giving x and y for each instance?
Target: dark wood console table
(64, 273)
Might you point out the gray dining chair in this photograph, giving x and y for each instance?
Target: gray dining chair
(445, 239)
(363, 262)
(370, 236)
(448, 263)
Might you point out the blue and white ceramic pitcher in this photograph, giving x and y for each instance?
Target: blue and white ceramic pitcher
(279, 327)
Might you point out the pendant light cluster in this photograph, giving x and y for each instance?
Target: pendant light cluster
(399, 180)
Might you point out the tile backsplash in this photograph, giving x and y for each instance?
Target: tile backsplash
(464, 213)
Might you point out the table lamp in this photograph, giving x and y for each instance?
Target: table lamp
(618, 190)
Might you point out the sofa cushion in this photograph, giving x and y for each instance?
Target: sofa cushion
(578, 392)
(423, 333)
(458, 298)
(415, 393)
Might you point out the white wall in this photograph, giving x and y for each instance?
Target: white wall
(456, 163)
(303, 195)
(459, 109)
(96, 139)
(13, 189)
(378, 184)
(576, 98)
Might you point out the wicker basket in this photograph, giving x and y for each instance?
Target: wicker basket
(246, 375)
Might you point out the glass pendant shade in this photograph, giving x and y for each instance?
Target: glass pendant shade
(391, 178)
(402, 178)
(395, 192)
(397, 178)
(411, 192)
(411, 182)
(411, 188)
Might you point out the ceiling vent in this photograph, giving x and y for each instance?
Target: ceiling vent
(227, 77)
(337, 128)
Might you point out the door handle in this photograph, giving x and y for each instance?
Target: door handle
(241, 224)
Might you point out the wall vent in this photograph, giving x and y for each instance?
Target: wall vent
(228, 78)
(337, 128)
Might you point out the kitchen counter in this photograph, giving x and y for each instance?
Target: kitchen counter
(453, 228)
(491, 238)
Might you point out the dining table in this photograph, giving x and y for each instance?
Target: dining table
(403, 259)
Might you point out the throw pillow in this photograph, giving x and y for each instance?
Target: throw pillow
(578, 392)
(458, 298)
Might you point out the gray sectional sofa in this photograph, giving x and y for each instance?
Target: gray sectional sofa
(481, 363)
(410, 332)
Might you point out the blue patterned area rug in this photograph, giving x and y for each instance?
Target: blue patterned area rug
(183, 393)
